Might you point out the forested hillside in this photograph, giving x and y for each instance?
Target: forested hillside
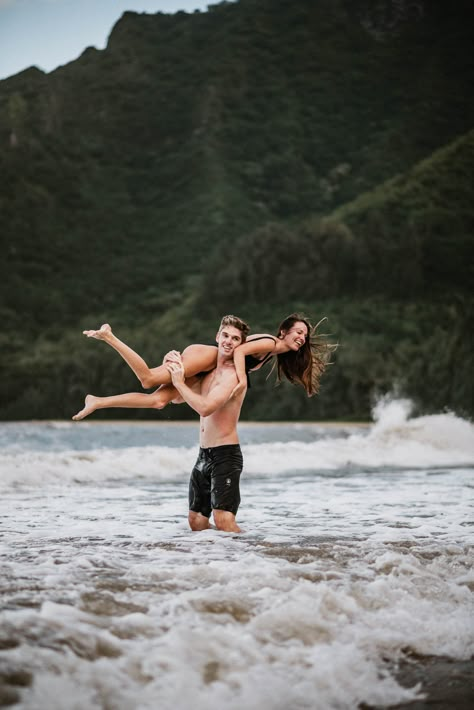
(260, 157)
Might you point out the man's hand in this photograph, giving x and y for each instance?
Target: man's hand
(100, 334)
(176, 370)
(172, 356)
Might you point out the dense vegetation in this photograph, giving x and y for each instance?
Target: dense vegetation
(261, 157)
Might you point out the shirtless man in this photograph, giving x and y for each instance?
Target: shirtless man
(214, 483)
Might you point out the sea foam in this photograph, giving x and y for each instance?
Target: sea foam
(394, 440)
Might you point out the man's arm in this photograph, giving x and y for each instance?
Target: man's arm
(203, 405)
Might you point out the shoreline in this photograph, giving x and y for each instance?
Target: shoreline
(185, 422)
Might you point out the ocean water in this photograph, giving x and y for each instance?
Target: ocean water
(356, 556)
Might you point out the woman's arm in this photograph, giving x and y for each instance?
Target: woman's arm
(239, 362)
(258, 345)
(264, 345)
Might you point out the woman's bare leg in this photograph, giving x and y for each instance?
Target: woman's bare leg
(196, 358)
(132, 400)
(149, 377)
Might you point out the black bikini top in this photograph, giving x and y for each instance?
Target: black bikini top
(251, 361)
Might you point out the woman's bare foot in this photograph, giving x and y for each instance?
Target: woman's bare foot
(100, 334)
(90, 406)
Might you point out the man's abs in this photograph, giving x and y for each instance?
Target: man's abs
(220, 427)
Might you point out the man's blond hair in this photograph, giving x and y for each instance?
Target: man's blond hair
(236, 323)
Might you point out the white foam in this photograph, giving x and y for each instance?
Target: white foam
(113, 601)
(250, 631)
(395, 440)
(68, 467)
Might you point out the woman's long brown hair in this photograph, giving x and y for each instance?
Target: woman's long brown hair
(305, 366)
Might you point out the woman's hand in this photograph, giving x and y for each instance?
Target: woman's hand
(100, 334)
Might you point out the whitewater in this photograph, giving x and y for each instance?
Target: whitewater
(355, 560)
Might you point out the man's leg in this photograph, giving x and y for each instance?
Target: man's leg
(225, 521)
(200, 494)
(198, 521)
(225, 490)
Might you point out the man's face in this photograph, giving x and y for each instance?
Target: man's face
(228, 338)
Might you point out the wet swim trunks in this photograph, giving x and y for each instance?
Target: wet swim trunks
(214, 482)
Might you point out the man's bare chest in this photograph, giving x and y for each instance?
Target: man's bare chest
(218, 378)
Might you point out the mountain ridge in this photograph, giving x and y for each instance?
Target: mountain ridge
(124, 174)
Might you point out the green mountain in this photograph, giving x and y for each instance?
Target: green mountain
(409, 238)
(392, 269)
(258, 157)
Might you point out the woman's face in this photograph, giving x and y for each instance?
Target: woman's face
(295, 337)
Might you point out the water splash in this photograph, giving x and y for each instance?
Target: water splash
(394, 440)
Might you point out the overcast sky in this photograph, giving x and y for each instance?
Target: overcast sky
(47, 33)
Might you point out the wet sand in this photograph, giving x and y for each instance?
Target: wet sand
(446, 684)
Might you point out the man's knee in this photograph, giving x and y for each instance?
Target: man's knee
(225, 521)
(197, 521)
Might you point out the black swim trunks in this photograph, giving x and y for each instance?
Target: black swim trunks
(214, 482)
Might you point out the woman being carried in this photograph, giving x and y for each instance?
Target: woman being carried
(301, 357)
